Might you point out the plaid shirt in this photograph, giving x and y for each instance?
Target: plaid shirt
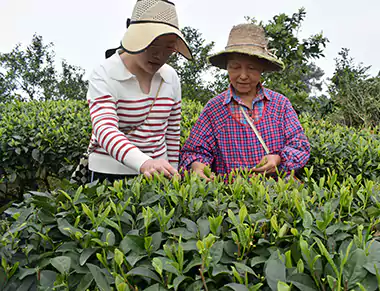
(220, 139)
(258, 105)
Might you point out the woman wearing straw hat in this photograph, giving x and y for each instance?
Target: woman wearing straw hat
(248, 125)
(135, 98)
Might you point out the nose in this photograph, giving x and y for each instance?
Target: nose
(243, 75)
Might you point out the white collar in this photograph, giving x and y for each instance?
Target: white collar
(118, 71)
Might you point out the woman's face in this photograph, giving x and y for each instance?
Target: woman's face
(244, 73)
(158, 53)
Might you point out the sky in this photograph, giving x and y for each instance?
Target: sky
(82, 30)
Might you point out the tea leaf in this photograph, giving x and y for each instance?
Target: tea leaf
(85, 255)
(155, 287)
(178, 280)
(181, 231)
(65, 228)
(204, 227)
(273, 222)
(62, 264)
(158, 265)
(258, 260)
(275, 271)
(190, 225)
(48, 278)
(114, 225)
(215, 223)
(237, 275)
(85, 282)
(243, 213)
(133, 258)
(26, 272)
(282, 286)
(244, 268)
(143, 272)
(132, 242)
(256, 287)
(326, 254)
(99, 277)
(237, 287)
(220, 269)
(195, 262)
(354, 271)
(303, 282)
(216, 251)
(119, 257)
(373, 257)
(307, 220)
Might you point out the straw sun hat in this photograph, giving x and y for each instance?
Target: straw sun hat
(248, 39)
(150, 20)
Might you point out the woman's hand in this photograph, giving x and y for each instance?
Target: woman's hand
(199, 169)
(268, 164)
(150, 167)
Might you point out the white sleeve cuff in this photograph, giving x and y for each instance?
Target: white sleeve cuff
(135, 159)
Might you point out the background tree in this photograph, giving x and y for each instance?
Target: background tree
(31, 74)
(300, 75)
(354, 92)
(194, 74)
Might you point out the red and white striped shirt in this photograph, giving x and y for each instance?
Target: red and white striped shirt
(124, 135)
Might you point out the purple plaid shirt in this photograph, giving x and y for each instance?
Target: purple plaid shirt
(221, 140)
(258, 105)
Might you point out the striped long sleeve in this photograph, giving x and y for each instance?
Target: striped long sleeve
(105, 123)
(173, 132)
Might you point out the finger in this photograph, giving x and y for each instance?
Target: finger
(171, 169)
(202, 175)
(264, 168)
(166, 173)
(147, 175)
(164, 169)
(272, 170)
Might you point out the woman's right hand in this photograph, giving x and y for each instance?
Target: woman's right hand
(199, 169)
(150, 167)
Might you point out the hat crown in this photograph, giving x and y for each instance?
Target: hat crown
(156, 11)
(247, 35)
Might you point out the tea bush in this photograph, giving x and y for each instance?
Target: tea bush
(42, 139)
(191, 235)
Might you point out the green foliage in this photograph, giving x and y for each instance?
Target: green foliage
(344, 150)
(40, 139)
(43, 139)
(354, 93)
(30, 74)
(301, 75)
(192, 74)
(296, 82)
(191, 235)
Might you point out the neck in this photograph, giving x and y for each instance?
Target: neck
(247, 97)
(132, 66)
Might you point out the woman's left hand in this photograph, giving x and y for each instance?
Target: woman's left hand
(270, 163)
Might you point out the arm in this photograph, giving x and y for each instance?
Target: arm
(105, 124)
(201, 144)
(296, 152)
(173, 132)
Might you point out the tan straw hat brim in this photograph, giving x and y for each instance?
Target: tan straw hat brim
(273, 64)
(140, 35)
